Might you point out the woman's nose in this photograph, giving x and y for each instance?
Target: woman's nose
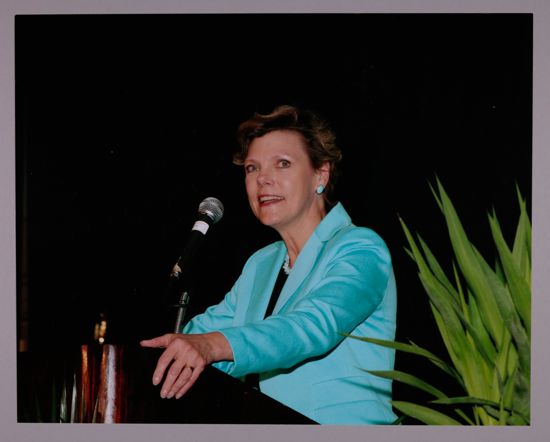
(265, 177)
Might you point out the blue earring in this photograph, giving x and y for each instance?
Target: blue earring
(320, 189)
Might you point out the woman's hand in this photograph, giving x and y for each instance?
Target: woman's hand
(185, 357)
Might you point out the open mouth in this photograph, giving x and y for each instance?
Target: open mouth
(269, 199)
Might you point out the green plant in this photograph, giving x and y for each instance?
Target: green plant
(484, 319)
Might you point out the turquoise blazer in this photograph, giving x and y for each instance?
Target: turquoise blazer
(342, 282)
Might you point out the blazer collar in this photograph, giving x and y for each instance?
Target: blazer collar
(335, 220)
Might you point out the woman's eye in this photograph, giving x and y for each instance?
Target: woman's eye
(249, 168)
(284, 163)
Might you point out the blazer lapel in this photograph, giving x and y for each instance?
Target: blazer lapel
(264, 281)
(335, 220)
(300, 271)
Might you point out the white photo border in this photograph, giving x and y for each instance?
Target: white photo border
(14, 431)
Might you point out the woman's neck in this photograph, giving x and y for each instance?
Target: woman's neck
(296, 238)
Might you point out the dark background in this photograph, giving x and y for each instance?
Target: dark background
(125, 123)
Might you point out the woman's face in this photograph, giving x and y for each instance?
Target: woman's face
(281, 181)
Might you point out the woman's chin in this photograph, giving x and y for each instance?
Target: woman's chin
(268, 221)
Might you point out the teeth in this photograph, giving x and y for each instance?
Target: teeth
(264, 199)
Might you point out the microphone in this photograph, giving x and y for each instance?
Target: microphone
(210, 212)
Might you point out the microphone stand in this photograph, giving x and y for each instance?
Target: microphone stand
(183, 300)
(182, 310)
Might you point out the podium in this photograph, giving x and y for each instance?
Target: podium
(113, 384)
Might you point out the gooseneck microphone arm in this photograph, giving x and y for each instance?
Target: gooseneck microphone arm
(210, 212)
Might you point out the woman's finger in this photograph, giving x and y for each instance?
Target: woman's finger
(160, 341)
(164, 361)
(172, 376)
(180, 382)
(194, 376)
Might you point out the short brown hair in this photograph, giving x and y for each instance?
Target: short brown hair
(318, 136)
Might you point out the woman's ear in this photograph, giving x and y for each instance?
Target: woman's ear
(324, 173)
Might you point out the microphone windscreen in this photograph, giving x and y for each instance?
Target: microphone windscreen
(212, 207)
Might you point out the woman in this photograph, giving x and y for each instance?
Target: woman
(327, 277)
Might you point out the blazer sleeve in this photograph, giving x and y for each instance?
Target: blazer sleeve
(217, 316)
(351, 289)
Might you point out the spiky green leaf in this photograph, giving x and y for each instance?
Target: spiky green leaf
(522, 241)
(518, 286)
(465, 400)
(426, 415)
(467, 261)
(408, 379)
(508, 312)
(413, 349)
